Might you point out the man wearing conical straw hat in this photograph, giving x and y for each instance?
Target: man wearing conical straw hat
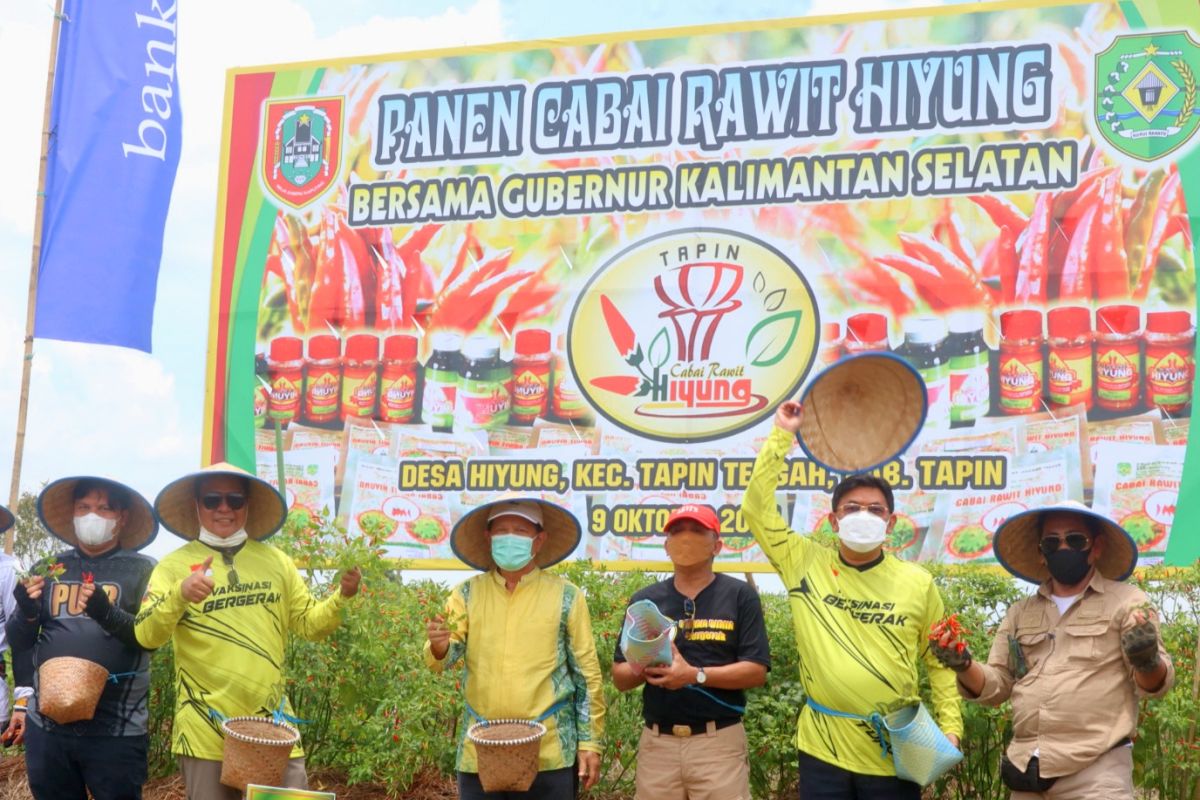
(12, 717)
(105, 523)
(861, 618)
(1074, 658)
(694, 744)
(524, 637)
(227, 600)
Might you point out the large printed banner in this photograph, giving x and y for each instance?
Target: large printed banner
(590, 270)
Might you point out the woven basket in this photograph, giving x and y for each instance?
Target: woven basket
(257, 750)
(507, 753)
(69, 688)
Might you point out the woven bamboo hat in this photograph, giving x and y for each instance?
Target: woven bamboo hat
(6, 519)
(56, 510)
(176, 503)
(469, 539)
(862, 411)
(1016, 544)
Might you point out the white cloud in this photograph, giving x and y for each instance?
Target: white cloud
(112, 411)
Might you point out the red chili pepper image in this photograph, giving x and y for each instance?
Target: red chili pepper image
(617, 384)
(89, 577)
(197, 567)
(618, 328)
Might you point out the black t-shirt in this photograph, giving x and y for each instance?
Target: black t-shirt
(728, 628)
(63, 629)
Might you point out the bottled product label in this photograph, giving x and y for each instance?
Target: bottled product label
(358, 394)
(261, 402)
(482, 404)
(1117, 377)
(321, 395)
(1169, 376)
(530, 393)
(937, 387)
(285, 397)
(437, 406)
(396, 400)
(1020, 385)
(568, 403)
(970, 393)
(1069, 377)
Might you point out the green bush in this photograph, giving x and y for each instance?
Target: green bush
(375, 712)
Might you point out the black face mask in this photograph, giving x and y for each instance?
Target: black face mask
(1068, 566)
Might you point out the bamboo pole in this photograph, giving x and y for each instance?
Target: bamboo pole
(14, 489)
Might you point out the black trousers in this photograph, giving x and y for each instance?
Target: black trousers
(820, 780)
(554, 784)
(63, 767)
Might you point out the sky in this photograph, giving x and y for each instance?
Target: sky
(137, 417)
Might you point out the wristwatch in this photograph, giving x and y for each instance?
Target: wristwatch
(701, 678)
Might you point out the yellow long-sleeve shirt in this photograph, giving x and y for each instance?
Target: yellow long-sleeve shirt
(229, 647)
(860, 632)
(525, 652)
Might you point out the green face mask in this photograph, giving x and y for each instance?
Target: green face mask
(511, 551)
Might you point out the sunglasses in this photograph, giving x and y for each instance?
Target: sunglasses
(1076, 541)
(212, 501)
(227, 558)
(689, 609)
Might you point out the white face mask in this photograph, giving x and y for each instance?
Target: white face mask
(221, 542)
(862, 531)
(94, 530)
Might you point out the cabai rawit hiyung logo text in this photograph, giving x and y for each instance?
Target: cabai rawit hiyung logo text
(693, 335)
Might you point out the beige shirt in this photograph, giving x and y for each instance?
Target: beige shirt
(1078, 698)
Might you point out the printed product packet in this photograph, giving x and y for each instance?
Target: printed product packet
(967, 520)
(1063, 429)
(1175, 430)
(1142, 429)
(509, 440)
(553, 434)
(414, 524)
(359, 437)
(309, 483)
(264, 440)
(1138, 486)
(990, 435)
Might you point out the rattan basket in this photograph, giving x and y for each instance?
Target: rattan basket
(257, 750)
(69, 688)
(506, 751)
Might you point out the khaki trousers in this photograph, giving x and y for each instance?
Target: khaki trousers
(202, 778)
(1109, 777)
(707, 766)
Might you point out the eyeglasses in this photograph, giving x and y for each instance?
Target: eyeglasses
(689, 609)
(874, 508)
(212, 500)
(227, 558)
(1076, 541)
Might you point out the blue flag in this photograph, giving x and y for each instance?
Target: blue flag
(114, 148)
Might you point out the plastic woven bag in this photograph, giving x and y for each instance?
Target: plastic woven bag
(647, 635)
(920, 750)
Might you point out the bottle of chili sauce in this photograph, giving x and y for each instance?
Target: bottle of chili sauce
(398, 385)
(1170, 359)
(323, 379)
(360, 378)
(285, 365)
(1022, 368)
(1118, 357)
(1069, 371)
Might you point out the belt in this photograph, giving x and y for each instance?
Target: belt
(691, 728)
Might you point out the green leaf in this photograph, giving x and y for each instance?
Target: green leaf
(660, 349)
(771, 339)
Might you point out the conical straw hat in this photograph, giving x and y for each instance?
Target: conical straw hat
(1016, 544)
(56, 510)
(469, 539)
(6, 519)
(176, 504)
(862, 411)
